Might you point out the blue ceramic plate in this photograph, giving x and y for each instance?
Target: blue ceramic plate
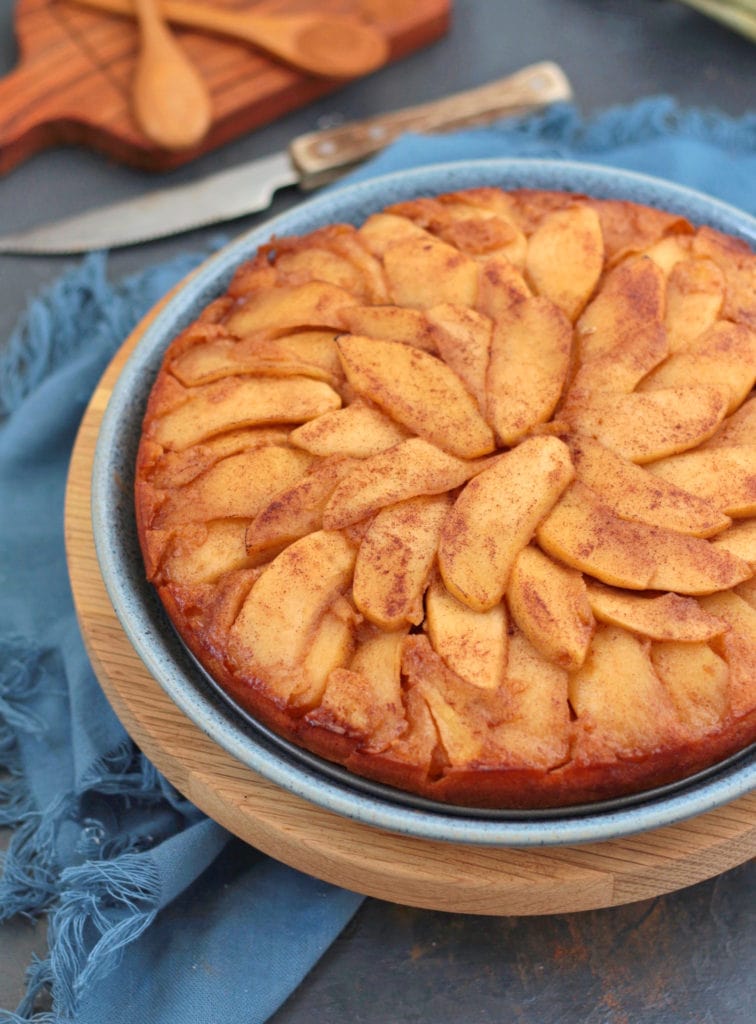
(167, 659)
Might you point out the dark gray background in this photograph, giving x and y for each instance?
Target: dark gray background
(686, 958)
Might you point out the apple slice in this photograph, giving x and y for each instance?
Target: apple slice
(724, 356)
(697, 680)
(747, 591)
(582, 532)
(695, 293)
(667, 617)
(382, 230)
(395, 558)
(566, 257)
(644, 427)
(309, 354)
(202, 552)
(463, 714)
(622, 707)
(549, 603)
(628, 228)
(738, 265)
(530, 356)
(740, 540)
(277, 623)
(463, 338)
(240, 402)
(740, 428)
(422, 272)
(316, 263)
(330, 648)
(408, 469)
(536, 732)
(629, 306)
(239, 486)
(391, 323)
(669, 251)
(357, 431)
(634, 493)
(724, 476)
(738, 647)
(287, 307)
(298, 509)
(419, 391)
(501, 284)
(364, 701)
(495, 517)
(174, 469)
(472, 644)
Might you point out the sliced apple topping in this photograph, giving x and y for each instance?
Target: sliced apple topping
(629, 308)
(358, 431)
(724, 476)
(549, 603)
(501, 284)
(422, 272)
(634, 493)
(202, 552)
(308, 354)
(644, 427)
(394, 561)
(537, 729)
(566, 257)
(288, 307)
(463, 339)
(278, 622)
(298, 509)
(408, 469)
(496, 515)
(174, 469)
(724, 356)
(740, 540)
(382, 230)
(530, 356)
(738, 647)
(697, 680)
(240, 402)
(695, 293)
(365, 700)
(740, 428)
(391, 323)
(623, 709)
(419, 391)
(738, 265)
(666, 617)
(237, 486)
(583, 533)
(473, 644)
(464, 499)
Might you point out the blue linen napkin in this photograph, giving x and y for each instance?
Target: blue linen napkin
(200, 926)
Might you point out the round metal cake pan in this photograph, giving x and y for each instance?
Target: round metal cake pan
(167, 659)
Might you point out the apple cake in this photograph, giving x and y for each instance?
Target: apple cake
(464, 499)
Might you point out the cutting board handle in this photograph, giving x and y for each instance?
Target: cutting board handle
(29, 108)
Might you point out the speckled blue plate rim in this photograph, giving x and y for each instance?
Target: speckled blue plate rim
(144, 621)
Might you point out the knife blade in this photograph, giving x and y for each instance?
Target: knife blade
(310, 161)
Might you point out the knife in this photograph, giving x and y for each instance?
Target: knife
(310, 161)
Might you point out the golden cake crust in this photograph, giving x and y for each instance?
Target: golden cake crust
(464, 499)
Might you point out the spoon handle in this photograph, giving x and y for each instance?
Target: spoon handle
(298, 39)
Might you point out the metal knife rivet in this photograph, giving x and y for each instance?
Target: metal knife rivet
(326, 148)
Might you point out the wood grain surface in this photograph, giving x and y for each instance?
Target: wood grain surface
(73, 80)
(416, 872)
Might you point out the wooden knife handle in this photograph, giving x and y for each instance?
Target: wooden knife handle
(318, 155)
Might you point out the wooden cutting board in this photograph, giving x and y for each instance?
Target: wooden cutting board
(73, 80)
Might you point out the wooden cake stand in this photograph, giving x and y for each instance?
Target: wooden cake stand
(417, 872)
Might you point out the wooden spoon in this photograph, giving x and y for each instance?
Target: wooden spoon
(332, 46)
(171, 101)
